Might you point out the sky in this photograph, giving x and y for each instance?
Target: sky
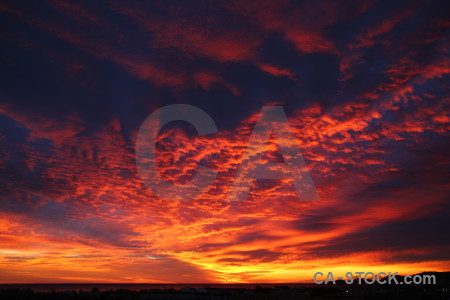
(364, 85)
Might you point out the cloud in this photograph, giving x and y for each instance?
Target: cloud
(368, 108)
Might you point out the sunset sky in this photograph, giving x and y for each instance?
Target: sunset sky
(364, 84)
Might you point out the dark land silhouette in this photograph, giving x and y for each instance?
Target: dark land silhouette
(340, 290)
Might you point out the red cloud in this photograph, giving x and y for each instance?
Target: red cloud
(275, 71)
